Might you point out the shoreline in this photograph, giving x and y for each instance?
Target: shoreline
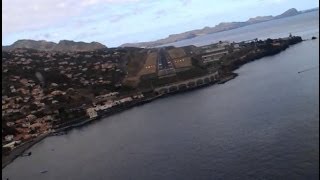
(16, 152)
(19, 150)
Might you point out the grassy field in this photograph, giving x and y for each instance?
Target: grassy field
(150, 65)
(139, 65)
(179, 58)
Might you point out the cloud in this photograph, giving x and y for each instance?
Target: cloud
(118, 17)
(23, 15)
(92, 2)
(47, 35)
(160, 13)
(273, 1)
(185, 2)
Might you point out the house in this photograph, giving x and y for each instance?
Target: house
(276, 44)
(25, 124)
(35, 125)
(48, 118)
(54, 84)
(8, 138)
(127, 99)
(57, 92)
(92, 113)
(138, 96)
(11, 145)
(10, 124)
(31, 117)
(106, 96)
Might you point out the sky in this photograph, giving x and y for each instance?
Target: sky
(115, 22)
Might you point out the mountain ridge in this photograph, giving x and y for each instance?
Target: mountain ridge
(62, 45)
(223, 26)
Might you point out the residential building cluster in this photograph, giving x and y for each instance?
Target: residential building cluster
(40, 88)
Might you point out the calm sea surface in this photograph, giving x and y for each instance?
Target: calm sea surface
(262, 125)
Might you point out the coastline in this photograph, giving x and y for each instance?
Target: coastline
(19, 150)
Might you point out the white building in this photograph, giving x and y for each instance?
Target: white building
(10, 124)
(213, 56)
(138, 96)
(8, 137)
(107, 96)
(92, 113)
(12, 144)
(127, 99)
(214, 52)
(31, 117)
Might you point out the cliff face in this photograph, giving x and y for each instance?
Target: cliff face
(63, 45)
(224, 26)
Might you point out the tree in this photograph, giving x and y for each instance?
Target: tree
(269, 41)
(6, 150)
(195, 62)
(33, 107)
(62, 110)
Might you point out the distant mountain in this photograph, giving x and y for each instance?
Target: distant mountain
(224, 26)
(309, 10)
(289, 12)
(63, 45)
(31, 44)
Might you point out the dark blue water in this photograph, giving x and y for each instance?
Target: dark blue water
(262, 125)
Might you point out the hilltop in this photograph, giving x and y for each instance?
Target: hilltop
(63, 45)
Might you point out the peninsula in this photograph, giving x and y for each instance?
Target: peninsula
(47, 92)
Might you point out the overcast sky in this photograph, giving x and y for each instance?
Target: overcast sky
(114, 22)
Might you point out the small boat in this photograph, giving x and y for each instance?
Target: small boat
(26, 154)
(43, 171)
(59, 133)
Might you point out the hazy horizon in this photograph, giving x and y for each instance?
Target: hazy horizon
(107, 21)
